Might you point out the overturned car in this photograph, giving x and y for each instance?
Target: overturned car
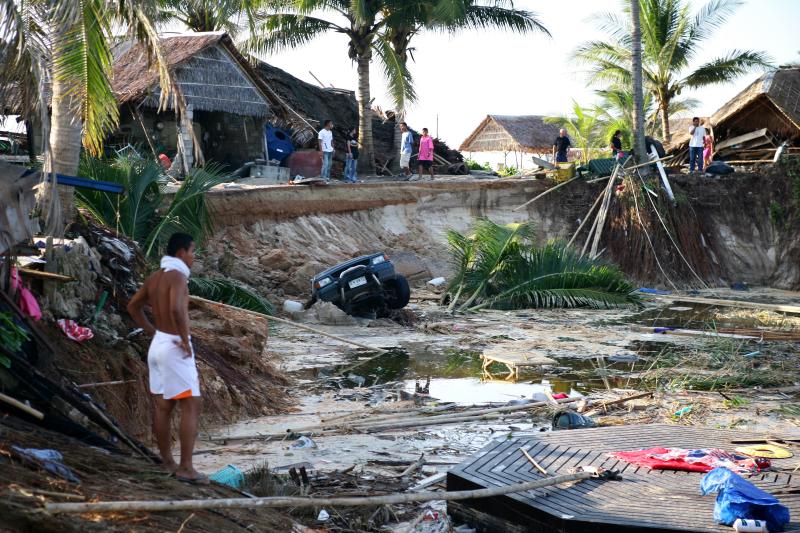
(365, 286)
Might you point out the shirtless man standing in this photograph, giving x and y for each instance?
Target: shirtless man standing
(173, 373)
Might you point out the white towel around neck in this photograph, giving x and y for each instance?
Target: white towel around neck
(173, 263)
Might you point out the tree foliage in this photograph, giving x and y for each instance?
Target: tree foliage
(498, 266)
(671, 42)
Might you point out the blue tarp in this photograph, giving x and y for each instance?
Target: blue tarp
(738, 498)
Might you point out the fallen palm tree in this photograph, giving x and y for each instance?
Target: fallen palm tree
(499, 266)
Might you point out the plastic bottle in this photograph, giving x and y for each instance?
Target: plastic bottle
(747, 525)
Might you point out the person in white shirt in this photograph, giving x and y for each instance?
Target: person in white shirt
(406, 148)
(696, 143)
(326, 147)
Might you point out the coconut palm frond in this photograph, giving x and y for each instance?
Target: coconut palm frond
(723, 69)
(187, 212)
(137, 208)
(84, 64)
(284, 31)
(229, 292)
(398, 77)
(500, 267)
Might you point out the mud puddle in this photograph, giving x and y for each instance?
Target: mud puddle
(453, 375)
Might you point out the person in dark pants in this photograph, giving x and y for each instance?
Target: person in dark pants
(352, 157)
(616, 143)
(561, 146)
(696, 144)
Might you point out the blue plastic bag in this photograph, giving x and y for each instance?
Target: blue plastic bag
(738, 498)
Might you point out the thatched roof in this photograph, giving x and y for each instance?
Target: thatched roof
(209, 71)
(775, 93)
(506, 133)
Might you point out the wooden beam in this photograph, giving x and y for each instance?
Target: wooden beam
(49, 276)
(729, 303)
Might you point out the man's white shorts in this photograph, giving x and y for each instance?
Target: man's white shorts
(405, 160)
(171, 374)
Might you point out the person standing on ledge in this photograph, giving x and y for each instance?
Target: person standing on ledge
(406, 148)
(351, 164)
(561, 146)
(170, 360)
(326, 147)
(425, 157)
(696, 143)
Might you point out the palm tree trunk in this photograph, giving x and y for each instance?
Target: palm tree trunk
(366, 160)
(664, 109)
(638, 92)
(397, 141)
(65, 143)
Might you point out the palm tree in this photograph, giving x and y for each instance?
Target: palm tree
(449, 16)
(74, 39)
(638, 90)
(289, 23)
(584, 127)
(670, 37)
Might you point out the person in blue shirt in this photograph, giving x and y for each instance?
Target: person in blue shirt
(406, 148)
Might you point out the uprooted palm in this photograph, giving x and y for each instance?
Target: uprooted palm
(500, 267)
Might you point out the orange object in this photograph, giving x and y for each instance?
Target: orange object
(185, 394)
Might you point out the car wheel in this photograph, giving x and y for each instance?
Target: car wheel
(397, 292)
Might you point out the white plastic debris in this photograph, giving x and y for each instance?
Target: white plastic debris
(323, 516)
(436, 281)
(304, 442)
(292, 306)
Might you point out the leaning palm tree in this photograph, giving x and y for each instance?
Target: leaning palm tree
(670, 37)
(70, 43)
(584, 126)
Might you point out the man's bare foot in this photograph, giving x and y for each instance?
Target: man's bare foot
(170, 466)
(192, 476)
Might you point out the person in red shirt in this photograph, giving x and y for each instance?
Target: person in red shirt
(425, 153)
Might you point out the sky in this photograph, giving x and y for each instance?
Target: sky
(462, 78)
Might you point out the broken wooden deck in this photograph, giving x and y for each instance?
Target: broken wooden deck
(644, 500)
(514, 356)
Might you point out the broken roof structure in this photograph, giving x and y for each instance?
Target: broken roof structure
(771, 103)
(510, 133)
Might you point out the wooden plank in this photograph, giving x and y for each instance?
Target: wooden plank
(729, 303)
(740, 139)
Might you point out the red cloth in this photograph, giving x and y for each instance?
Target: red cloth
(165, 162)
(703, 460)
(560, 396)
(75, 332)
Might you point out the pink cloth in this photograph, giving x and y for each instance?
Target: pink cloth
(426, 148)
(27, 301)
(75, 332)
(702, 460)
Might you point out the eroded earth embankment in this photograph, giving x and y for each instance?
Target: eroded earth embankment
(276, 238)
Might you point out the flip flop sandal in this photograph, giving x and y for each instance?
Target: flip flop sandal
(202, 480)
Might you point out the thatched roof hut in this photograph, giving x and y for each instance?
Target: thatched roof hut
(771, 102)
(207, 69)
(511, 133)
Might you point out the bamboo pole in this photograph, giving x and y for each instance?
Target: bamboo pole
(603, 213)
(301, 502)
(21, 406)
(532, 461)
(586, 218)
(548, 191)
(216, 306)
